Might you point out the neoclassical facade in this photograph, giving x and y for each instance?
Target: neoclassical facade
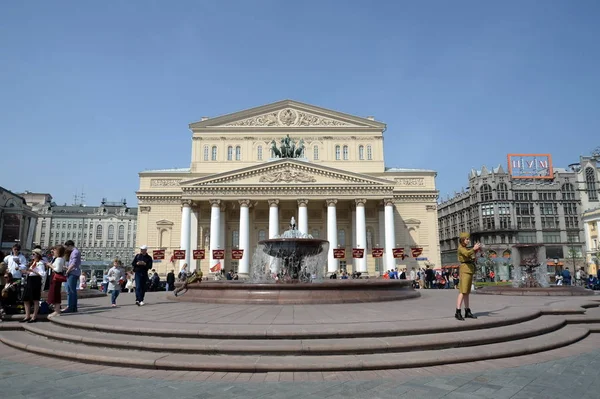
(241, 188)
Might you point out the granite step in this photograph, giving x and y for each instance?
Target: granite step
(236, 363)
(316, 347)
(291, 331)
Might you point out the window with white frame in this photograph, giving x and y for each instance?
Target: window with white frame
(337, 153)
(111, 232)
(214, 153)
(345, 153)
(238, 153)
(369, 153)
(121, 234)
(259, 153)
(206, 153)
(99, 232)
(361, 152)
(230, 153)
(316, 152)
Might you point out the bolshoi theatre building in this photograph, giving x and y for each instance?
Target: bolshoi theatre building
(252, 171)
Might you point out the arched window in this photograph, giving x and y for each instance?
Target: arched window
(111, 232)
(369, 153)
(568, 191)
(206, 153)
(259, 153)
(337, 153)
(502, 191)
(98, 232)
(361, 152)
(486, 192)
(345, 153)
(262, 235)
(121, 234)
(238, 153)
(590, 184)
(342, 238)
(316, 152)
(230, 153)
(214, 153)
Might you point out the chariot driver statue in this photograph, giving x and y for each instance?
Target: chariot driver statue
(288, 148)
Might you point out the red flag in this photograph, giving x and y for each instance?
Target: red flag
(216, 268)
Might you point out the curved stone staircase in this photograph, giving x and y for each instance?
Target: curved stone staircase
(321, 347)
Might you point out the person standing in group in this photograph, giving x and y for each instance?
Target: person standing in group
(114, 288)
(73, 272)
(16, 262)
(171, 281)
(142, 262)
(33, 288)
(466, 257)
(58, 268)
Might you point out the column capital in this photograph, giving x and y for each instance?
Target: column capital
(360, 201)
(331, 201)
(186, 202)
(388, 202)
(244, 202)
(215, 202)
(273, 202)
(144, 209)
(302, 202)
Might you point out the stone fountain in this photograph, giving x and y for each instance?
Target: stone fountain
(291, 269)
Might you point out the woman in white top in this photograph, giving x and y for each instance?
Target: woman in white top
(114, 287)
(33, 286)
(57, 267)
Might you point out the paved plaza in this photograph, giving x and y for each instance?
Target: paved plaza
(564, 372)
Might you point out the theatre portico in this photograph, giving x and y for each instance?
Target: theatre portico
(252, 171)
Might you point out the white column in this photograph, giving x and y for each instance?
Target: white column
(381, 242)
(186, 220)
(244, 263)
(353, 222)
(597, 247)
(588, 236)
(215, 227)
(194, 237)
(361, 235)
(222, 238)
(303, 216)
(332, 235)
(274, 230)
(390, 234)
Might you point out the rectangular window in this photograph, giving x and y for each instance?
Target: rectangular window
(316, 153)
(571, 222)
(550, 222)
(503, 209)
(570, 208)
(524, 209)
(548, 208)
(504, 222)
(526, 238)
(550, 238)
(488, 223)
(487, 210)
(573, 237)
(525, 222)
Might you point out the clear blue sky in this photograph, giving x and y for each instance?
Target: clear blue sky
(92, 92)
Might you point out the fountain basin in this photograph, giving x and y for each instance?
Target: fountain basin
(321, 292)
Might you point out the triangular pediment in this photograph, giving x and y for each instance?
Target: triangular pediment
(288, 114)
(287, 172)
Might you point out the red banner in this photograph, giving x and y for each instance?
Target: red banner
(416, 252)
(216, 267)
(237, 254)
(358, 253)
(377, 252)
(179, 254)
(158, 254)
(218, 254)
(199, 254)
(339, 253)
(398, 253)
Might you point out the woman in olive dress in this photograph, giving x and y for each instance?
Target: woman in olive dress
(466, 257)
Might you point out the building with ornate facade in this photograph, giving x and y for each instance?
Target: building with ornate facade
(501, 211)
(252, 171)
(102, 233)
(17, 222)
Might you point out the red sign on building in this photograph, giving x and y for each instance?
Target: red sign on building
(218, 254)
(377, 252)
(237, 254)
(179, 254)
(199, 254)
(358, 253)
(398, 253)
(416, 252)
(158, 254)
(339, 253)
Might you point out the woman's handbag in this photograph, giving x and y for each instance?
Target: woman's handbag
(59, 278)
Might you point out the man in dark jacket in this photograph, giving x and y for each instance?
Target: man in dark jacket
(141, 264)
(171, 280)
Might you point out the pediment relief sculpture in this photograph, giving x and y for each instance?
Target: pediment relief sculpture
(288, 117)
(287, 176)
(164, 222)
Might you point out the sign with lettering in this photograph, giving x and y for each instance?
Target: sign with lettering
(237, 254)
(398, 253)
(358, 253)
(377, 252)
(199, 254)
(415, 252)
(530, 166)
(218, 254)
(179, 254)
(339, 253)
(158, 254)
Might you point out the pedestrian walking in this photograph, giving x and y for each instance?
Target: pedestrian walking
(141, 264)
